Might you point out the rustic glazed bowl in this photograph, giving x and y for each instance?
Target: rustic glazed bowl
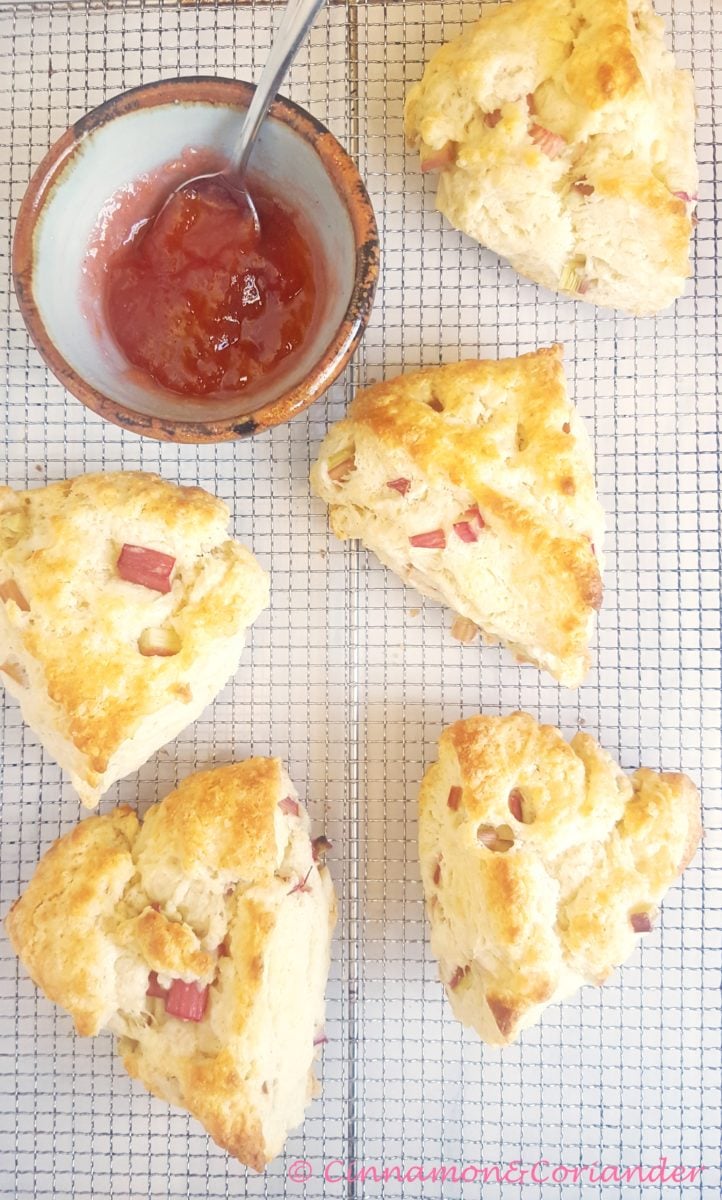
(135, 134)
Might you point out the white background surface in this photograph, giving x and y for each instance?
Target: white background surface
(350, 678)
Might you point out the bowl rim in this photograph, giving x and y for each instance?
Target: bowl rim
(344, 175)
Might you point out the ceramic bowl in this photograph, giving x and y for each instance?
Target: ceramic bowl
(135, 134)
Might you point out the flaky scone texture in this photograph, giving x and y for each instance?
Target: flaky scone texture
(564, 134)
(71, 629)
(219, 886)
(542, 865)
(493, 460)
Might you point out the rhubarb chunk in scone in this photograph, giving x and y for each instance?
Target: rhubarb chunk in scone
(542, 864)
(564, 137)
(123, 611)
(474, 482)
(201, 938)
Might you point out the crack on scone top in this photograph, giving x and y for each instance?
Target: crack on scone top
(553, 867)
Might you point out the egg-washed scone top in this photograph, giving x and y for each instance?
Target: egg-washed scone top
(474, 483)
(564, 137)
(123, 611)
(201, 938)
(542, 865)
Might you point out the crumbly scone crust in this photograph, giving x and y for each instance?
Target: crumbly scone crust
(533, 868)
(219, 886)
(502, 436)
(73, 658)
(565, 138)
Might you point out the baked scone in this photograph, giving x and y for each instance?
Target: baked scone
(542, 864)
(201, 938)
(474, 482)
(123, 611)
(564, 135)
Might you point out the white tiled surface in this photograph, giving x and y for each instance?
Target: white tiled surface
(350, 678)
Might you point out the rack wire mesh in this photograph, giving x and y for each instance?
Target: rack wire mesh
(350, 677)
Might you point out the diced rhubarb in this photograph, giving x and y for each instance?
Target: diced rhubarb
(463, 630)
(503, 1015)
(566, 427)
(434, 540)
(289, 806)
(470, 528)
(223, 951)
(343, 470)
(9, 590)
(454, 799)
(584, 188)
(302, 885)
(15, 671)
(574, 280)
(498, 840)
(465, 531)
(320, 1039)
(686, 197)
(149, 568)
(399, 485)
(186, 1001)
(159, 643)
(531, 103)
(492, 119)
(459, 974)
(320, 847)
(154, 988)
(520, 808)
(438, 160)
(515, 804)
(549, 143)
(641, 922)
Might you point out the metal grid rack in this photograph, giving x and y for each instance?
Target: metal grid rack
(350, 677)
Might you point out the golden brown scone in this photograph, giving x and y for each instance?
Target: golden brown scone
(221, 889)
(107, 669)
(542, 865)
(564, 135)
(474, 482)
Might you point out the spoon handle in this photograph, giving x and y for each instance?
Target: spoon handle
(295, 24)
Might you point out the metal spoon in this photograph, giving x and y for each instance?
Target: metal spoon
(298, 17)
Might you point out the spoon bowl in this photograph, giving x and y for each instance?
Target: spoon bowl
(214, 188)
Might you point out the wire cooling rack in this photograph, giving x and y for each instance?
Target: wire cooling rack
(350, 677)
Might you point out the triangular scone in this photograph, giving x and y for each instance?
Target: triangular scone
(564, 135)
(542, 865)
(108, 669)
(201, 938)
(474, 482)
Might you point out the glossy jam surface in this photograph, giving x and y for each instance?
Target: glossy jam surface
(201, 302)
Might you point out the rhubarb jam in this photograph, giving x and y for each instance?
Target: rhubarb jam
(204, 304)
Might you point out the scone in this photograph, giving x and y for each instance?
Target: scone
(123, 611)
(201, 938)
(542, 865)
(564, 135)
(474, 482)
